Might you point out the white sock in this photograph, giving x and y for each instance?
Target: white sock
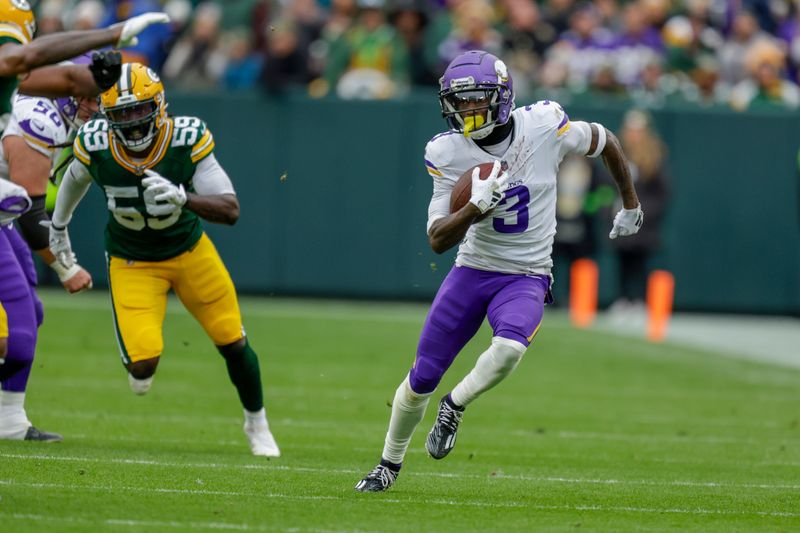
(492, 367)
(408, 408)
(140, 386)
(256, 418)
(14, 422)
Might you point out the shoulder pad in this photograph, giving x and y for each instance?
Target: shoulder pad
(192, 133)
(440, 151)
(39, 123)
(548, 114)
(91, 138)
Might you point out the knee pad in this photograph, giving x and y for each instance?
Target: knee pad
(507, 353)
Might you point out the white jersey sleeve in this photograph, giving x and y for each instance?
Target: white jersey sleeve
(576, 140)
(438, 162)
(210, 178)
(38, 122)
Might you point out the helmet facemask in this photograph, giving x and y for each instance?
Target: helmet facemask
(134, 124)
(472, 110)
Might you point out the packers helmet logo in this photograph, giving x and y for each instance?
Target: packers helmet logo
(153, 76)
(22, 5)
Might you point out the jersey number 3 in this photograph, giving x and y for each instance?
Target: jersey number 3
(130, 217)
(523, 197)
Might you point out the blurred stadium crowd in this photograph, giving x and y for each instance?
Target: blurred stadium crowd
(739, 53)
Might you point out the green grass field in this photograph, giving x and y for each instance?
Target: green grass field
(593, 431)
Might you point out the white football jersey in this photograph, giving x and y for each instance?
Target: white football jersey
(517, 237)
(38, 121)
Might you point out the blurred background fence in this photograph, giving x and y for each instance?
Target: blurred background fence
(334, 200)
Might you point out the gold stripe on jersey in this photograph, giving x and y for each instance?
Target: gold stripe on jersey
(11, 30)
(203, 147)
(80, 152)
(434, 171)
(162, 141)
(37, 142)
(3, 323)
(563, 129)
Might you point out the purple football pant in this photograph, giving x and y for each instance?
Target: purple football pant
(24, 310)
(514, 304)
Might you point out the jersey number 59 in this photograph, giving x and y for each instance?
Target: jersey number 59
(130, 217)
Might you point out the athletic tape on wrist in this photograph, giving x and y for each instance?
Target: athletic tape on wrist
(63, 272)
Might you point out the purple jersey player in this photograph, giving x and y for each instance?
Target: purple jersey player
(502, 270)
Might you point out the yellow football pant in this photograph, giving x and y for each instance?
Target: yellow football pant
(3, 323)
(139, 299)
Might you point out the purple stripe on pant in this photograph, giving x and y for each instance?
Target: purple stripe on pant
(514, 304)
(24, 310)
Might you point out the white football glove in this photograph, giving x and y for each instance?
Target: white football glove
(136, 25)
(61, 248)
(627, 222)
(161, 196)
(14, 201)
(486, 194)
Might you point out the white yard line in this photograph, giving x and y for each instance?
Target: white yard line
(382, 500)
(498, 475)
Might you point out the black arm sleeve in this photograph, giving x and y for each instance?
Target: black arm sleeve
(37, 236)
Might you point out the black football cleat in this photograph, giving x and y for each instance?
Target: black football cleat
(42, 436)
(442, 437)
(378, 480)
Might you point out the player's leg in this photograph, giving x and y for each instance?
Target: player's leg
(139, 303)
(454, 318)
(23, 311)
(515, 314)
(206, 289)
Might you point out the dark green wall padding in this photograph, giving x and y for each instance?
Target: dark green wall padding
(334, 201)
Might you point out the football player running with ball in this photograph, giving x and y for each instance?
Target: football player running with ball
(502, 270)
(160, 176)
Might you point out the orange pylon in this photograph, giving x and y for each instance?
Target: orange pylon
(583, 292)
(660, 293)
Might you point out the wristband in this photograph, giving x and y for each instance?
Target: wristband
(63, 272)
(601, 140)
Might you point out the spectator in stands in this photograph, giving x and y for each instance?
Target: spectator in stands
(152, 47)
(410, 20)
(49, 17)
(369, 60)
(585, 47)
(765, 63)
(526, 37)
(706, 89)
(242, 63)
(286, 63)
(745, 34)
(637, 46)
(472, 30)
(196, 60)
(86, 15)
(647, 156)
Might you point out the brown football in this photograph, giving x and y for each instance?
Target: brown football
(462, 191)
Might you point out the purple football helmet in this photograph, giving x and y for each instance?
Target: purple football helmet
(476, 93)
(68, 106)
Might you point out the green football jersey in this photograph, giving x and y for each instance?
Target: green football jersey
(131, 232)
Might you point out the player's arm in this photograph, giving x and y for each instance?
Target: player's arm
(30, 168)
(594, 140)
(74, 80)
(213, 199)
(73, 188)
(447, 230)
(20, 58)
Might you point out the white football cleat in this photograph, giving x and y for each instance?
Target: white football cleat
(256, 427)
(140, 386)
